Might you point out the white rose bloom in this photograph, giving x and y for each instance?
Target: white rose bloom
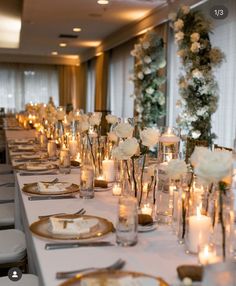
(111, 119)
(196, 134)
(83, 126)
(185, 9)
(195, 37)
(146, 45)
(129, 147)
(133, 53)
(147, 70)
(215, 167)
(178, 25)
(117, 154)
(147, 59)
(140, 75)
(197, 73)
(124, 130)
(202, 111)
(176, 168)
(149, 137)
(172, 16)
(195, 47)
(95, 118)
(179, 36)
(150, 90)
(198, 153)
(112, 136)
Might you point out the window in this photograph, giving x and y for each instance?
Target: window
(120, 88)
(20, 84)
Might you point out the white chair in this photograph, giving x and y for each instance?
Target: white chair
(12, 246)
(7, 194)
(6, 215)
(26, 280)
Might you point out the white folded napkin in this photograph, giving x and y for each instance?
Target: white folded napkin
(23, 147)
(52, 188)
(33, 166)
(30, 156)
(21, 141)
(124, 281)
(71, 226)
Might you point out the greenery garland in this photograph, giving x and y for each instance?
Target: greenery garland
(197, 86)
(149, 60)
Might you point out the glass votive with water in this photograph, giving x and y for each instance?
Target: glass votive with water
(64, 161)
(127, 222)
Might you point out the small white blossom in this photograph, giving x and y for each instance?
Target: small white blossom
(147, 59)
(146, 45)
(185, 9)
(140, 75)
(195, 47)
(147, 71)
(150, 90)
(197, 73)
(195, 37)
(178, 25)
(179, 36)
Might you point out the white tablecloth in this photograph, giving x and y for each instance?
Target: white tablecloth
(156, 253)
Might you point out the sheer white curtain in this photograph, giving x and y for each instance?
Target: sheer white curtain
(90, 96)
(120, 88)
(21, 83)
(224, 120)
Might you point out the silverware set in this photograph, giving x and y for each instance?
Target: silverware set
(51, 197)
(117, 265)
(79, 212)
(64, 245)
(38, 173)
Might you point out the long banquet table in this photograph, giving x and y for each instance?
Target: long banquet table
(157, 252)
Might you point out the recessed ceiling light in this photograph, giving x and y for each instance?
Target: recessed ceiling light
(103, 2)
(76, 29)
(63, 45)
(54, 53)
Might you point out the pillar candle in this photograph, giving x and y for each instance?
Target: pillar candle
(108, 170)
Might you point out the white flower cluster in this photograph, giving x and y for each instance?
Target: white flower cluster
(176, 169)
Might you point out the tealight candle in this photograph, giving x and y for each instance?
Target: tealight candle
(108, 170)
(77, 158)
(169, 138)
(146, 209)
(199, 231)
(73, 147)
(116, 190)
(207, 254)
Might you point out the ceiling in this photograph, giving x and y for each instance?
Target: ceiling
(44, 20)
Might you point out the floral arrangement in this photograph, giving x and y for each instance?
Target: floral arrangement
(176, 169)
(148, 79)
(197, 86)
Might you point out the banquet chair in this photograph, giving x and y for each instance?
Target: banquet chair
(6, 215)
(26, 280)
(190, 146)
(12, 250)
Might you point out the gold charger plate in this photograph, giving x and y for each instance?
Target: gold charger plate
(23, 167)
(41, 228)
(33, 189)
(103, 276)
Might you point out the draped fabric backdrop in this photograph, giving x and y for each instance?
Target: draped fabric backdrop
(224, 120)
(23, 83)
(90, 95)
(80, 101)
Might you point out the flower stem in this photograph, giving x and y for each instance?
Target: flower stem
(141, 179)
(127, 168)
(221, 217)
(134, 179)
(91, 148)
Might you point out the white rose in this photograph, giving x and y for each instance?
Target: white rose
(149, 137)
(195, 47)
(172, 16)
(129, 147)
(95, 119)
(197, 73)
(117, 154)
(185, 9)
(124, 130)
(147, 59)
(140, 75)
(215, 167)
(195, 37)
(83, 126)
(147, 70)
(112, 136)
(146, 45)
(179, 36)
(111, 119)
(176, 168)
(150, 90)
(178, 25)
(197, 154)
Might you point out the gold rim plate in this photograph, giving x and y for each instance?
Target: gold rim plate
(42, 228)
(23, 167)
(102, 276)
(33, 189)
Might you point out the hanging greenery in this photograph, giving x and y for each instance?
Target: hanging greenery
(148, 80)
(197, 85)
